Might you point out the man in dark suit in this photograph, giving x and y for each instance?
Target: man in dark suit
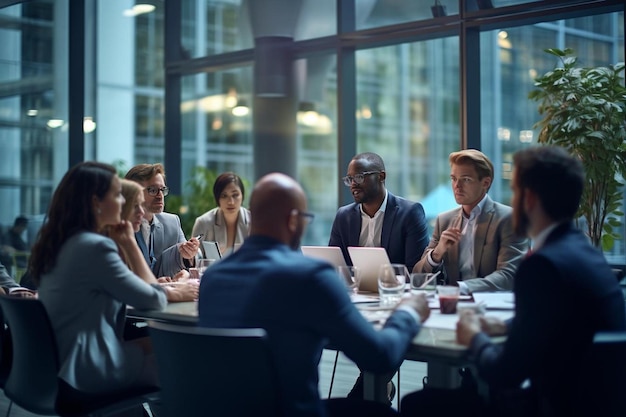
(564, 292)
(377, 217)
(301, 303)
(161, 237)
(474, 245)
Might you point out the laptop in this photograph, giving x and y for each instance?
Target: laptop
(368, 260)
(211, 250)
(330, 254)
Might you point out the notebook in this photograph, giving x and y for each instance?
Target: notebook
(368, 260)
(211, 250)
(330, 254)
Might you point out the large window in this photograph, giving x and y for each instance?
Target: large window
(392, 83)
(512, 58)
(33, 111)
(408, 112)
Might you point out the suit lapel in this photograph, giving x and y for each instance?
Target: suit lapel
(159, 237)
(390, 215)
(219, 228)
(354, 226)
(142, 246)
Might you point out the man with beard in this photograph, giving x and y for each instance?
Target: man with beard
(474, 245)
(301, 303)
(565, 291)
(161, 237)
(377, 217)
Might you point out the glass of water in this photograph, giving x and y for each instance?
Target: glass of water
(391, 282)
(349, 275)
(203, 264)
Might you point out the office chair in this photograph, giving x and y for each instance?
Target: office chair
(6, 355)
(221, 372)
(603, 376)
(33, 383)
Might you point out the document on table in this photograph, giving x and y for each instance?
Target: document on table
(496, 300)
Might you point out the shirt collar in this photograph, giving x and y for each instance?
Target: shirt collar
(146, 223)
(476, 211)
(539, 240)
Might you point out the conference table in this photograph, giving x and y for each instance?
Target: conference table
(435, 344)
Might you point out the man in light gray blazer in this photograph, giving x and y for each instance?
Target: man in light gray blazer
(161, 237)
(474, 246)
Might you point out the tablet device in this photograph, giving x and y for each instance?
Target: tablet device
(368, 260)
(211, 250)
(330, 254)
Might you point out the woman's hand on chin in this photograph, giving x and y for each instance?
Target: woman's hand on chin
(122, 233)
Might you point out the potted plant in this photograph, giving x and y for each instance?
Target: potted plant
(584, 111)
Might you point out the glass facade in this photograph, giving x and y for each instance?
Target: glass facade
(391, 84)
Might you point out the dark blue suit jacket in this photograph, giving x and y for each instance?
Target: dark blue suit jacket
(302, 304)
(564, 293)
(404, 234)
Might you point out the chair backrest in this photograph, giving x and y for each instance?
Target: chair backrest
(6, 352)
(32, 383)
(603, 383)
(221, 372)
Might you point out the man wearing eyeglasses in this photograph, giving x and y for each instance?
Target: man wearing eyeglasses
(377, 217)
(161, 237)
(474, 245)
(301, 304)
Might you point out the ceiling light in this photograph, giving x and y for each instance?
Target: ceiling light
(54, 123)
(88, 125)
(138, 9)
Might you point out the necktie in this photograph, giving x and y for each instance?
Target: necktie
(152, 260)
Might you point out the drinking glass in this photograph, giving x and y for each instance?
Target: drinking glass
(203, 264)
(448, 298)
(391, 281)
(350, 276)
(423, 282)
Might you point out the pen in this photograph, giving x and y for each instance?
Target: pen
(200, 236)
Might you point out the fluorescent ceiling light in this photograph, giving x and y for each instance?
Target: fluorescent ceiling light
(138, 9)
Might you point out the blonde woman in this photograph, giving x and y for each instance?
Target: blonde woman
(180, 289)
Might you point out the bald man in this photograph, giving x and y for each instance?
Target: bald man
(301, 303)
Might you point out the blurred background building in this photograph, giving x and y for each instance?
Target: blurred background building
(298, 86)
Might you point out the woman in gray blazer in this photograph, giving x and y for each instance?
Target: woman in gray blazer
(85, 285)
(228, 223)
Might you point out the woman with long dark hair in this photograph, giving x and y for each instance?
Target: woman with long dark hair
(85, 285)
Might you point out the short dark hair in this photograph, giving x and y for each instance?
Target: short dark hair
(375, 160)
(222, 181)
(555, 176)
(20, 221)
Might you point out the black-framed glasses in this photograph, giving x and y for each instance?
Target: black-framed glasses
(153, 191)
(358, 178)
(308, 216)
